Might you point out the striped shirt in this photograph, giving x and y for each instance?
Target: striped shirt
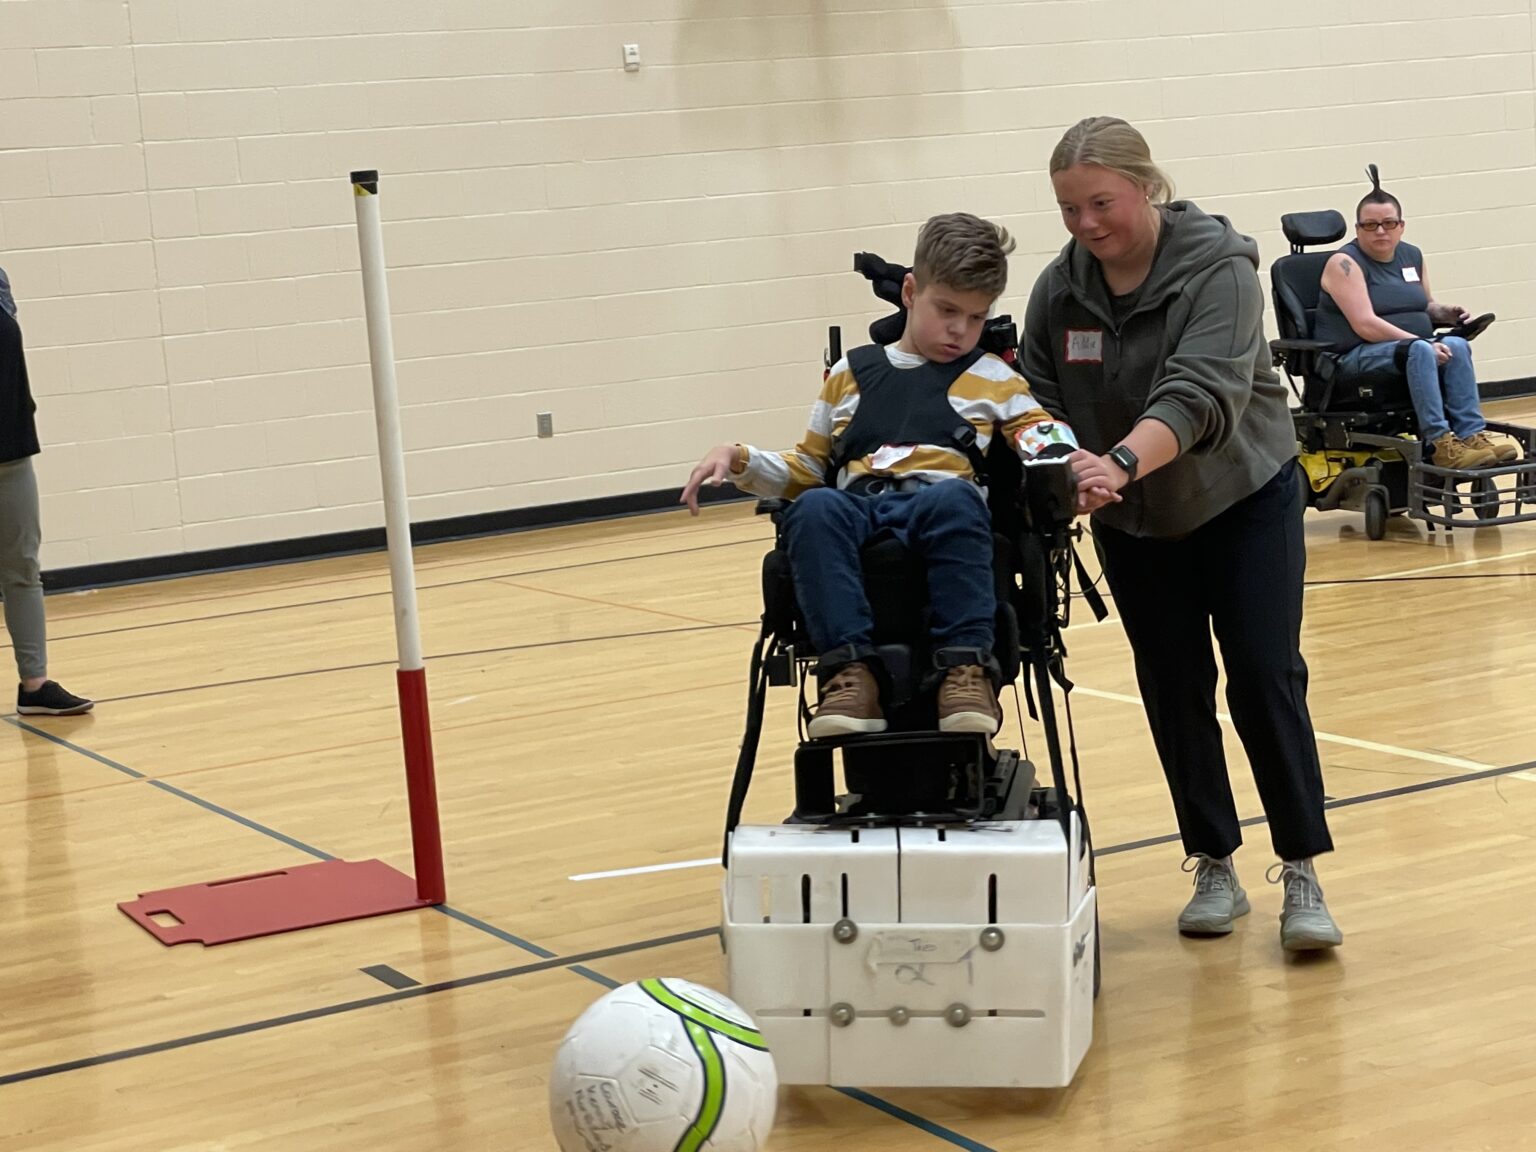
(989, 394)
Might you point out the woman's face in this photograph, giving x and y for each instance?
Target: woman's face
(1105, 211)
(1380, 244)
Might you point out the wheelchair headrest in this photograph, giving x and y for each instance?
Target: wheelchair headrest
(1307, 228)
(884, 277)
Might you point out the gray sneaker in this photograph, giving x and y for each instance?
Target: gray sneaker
(1218, 900)
(1305, 925)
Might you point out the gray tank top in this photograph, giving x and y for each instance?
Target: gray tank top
(1397, 295)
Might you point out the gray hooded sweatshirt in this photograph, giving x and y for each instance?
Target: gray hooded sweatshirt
(1187, 349)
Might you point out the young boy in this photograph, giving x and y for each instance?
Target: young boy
(892, 445)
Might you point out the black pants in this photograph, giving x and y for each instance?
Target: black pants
(1240, 574)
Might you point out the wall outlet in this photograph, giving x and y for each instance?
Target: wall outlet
(546, 425)
(631, 57)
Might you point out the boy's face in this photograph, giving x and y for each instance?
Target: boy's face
(943, 323)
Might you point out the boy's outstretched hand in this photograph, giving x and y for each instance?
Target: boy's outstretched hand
(712, 470)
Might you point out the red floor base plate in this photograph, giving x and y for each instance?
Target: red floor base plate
(267, 903)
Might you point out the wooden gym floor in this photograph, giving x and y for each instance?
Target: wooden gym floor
(587, 686)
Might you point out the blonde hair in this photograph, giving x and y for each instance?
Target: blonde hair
(1110, 142)
(963, 252)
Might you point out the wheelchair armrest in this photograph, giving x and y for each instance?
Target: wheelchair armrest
(1299, 345)
(1473, 328)
(769, 507)
(1282, 350)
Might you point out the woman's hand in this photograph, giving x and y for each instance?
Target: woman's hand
(1443, 353)
(1448, 314)
(1099, 480)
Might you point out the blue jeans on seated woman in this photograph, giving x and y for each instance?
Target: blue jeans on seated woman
(946, 524)
(1444, 395)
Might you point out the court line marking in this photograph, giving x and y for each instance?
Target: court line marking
(421, 588)
(574, 963)
(1322, 737)
(351, 1006)
(548, 959)
(429, 658)
(1430, 568)
(646, 869)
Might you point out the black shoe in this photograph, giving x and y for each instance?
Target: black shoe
(51, 700)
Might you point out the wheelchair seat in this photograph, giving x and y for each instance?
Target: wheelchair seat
(896, 584)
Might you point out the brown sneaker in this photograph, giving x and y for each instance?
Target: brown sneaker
(850, 704)
(1504, 448)
(1453, 452)
(968, 702)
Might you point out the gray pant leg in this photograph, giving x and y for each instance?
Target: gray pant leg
(21, 584)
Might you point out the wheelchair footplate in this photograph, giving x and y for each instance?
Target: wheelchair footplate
(1488, 497)
(911, 778)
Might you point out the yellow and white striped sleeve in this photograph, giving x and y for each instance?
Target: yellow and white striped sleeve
(787, 474)
(993, 395)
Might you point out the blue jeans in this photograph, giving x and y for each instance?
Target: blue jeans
(945, 523)
(1444, 395)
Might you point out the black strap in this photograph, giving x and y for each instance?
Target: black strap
(1088, 588)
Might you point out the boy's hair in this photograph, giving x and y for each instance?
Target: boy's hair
(963, 252)
(1376, 195)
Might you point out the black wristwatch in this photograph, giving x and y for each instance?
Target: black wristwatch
(1124, 457)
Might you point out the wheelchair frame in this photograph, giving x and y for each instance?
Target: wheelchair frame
(947, 895)
(1382, 470)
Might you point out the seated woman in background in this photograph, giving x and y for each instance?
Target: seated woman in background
(1375, 297)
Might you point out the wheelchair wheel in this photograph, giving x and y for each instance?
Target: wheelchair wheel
(1375, 515)
(1485, 497)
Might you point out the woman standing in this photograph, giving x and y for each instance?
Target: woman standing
(20, 532)
(1146, 335)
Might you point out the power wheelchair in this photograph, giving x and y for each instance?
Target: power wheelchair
(1359, 439)
(936, 923)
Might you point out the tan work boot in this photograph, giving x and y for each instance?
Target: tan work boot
(1504, 448)
(1453, 452)
(849, 705)
(968, 702)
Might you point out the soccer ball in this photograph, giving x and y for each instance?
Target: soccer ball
(663, 1066)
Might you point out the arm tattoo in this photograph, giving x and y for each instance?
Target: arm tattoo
(1347, 267)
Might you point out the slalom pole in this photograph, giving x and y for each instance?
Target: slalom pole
(411, 676)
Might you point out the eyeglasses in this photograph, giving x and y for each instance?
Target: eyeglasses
(1379, 225)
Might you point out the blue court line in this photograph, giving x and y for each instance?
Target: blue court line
(914, 1119)
(453, 913)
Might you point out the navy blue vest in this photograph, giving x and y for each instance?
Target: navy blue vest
(904, 406)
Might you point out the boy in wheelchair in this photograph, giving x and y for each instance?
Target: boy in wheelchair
(896, 447)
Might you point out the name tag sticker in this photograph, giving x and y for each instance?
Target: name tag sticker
(1085, 346)
(890, 456)
(1411, 275)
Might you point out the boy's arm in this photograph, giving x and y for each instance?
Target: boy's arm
(782, 474)
(787, 474)
(1017, 410)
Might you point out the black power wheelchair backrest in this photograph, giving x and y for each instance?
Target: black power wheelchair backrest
(1296, 280)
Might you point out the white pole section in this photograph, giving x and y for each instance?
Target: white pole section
(386, 413)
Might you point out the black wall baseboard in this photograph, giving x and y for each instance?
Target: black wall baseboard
(453, 528)
(1507, 389)
(372, 539)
